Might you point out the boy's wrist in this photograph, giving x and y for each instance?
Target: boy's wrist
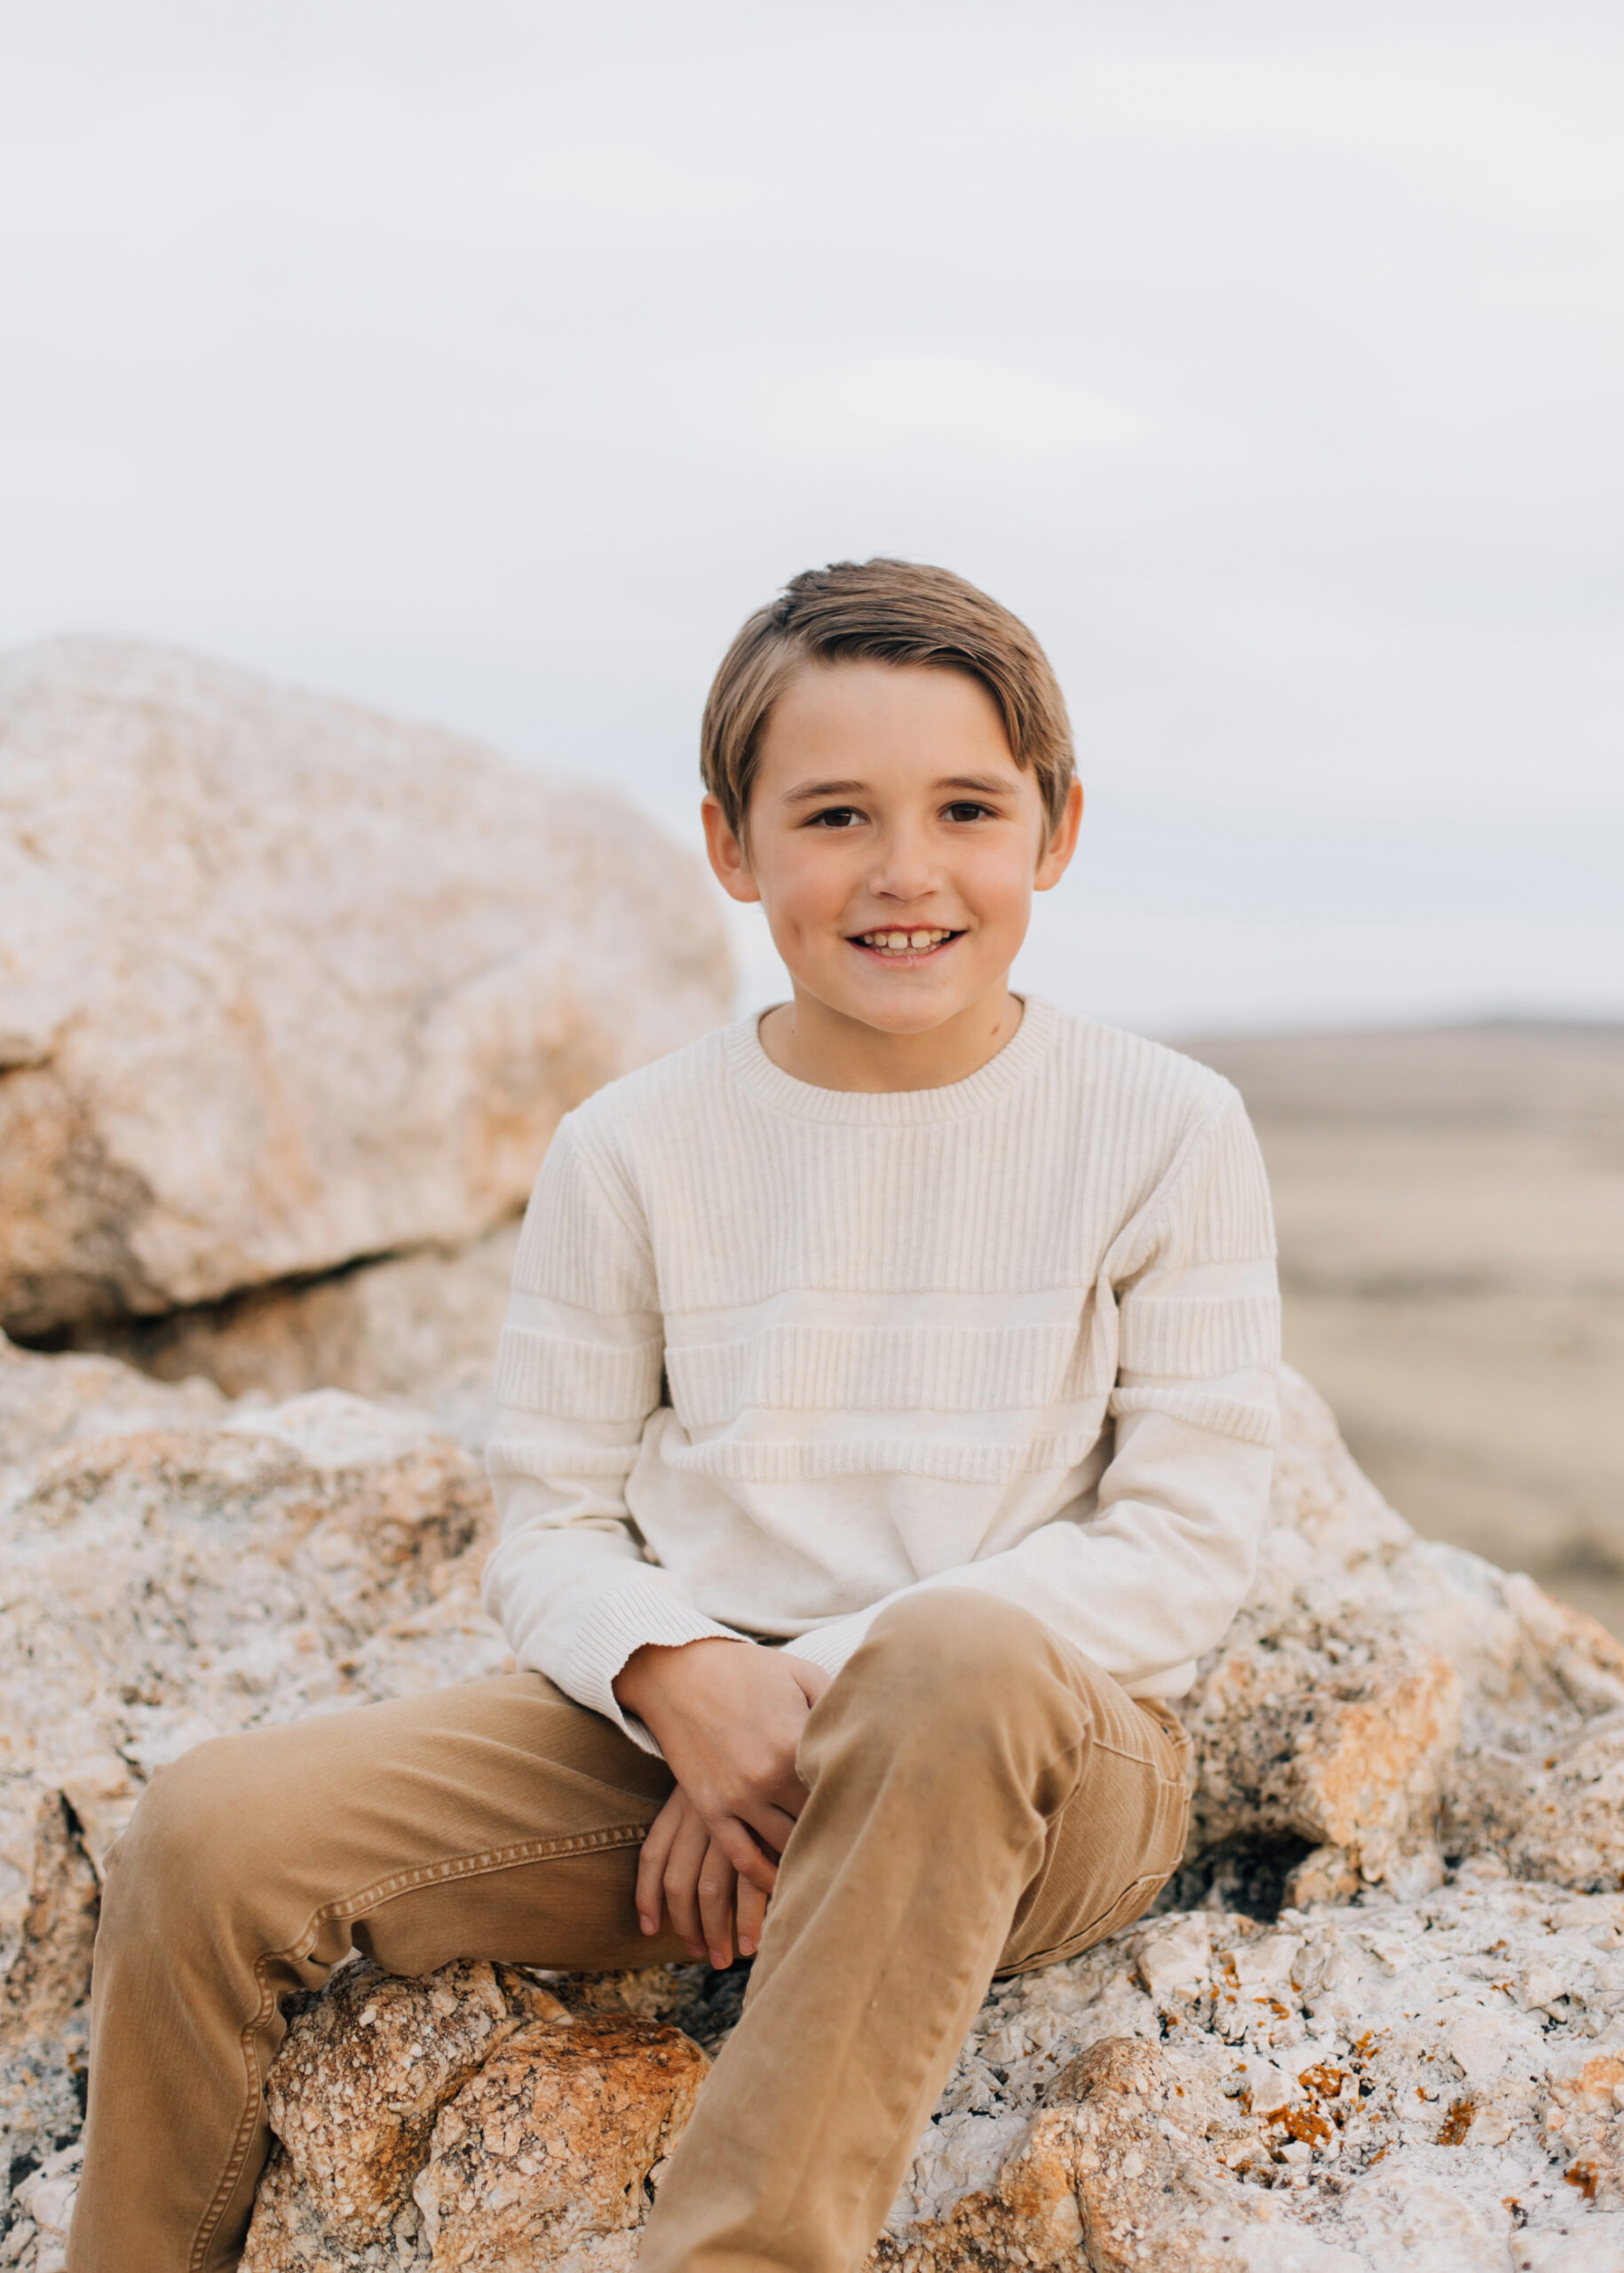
(647, 1672)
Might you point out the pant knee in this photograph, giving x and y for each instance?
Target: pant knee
(950, 1643)
(941, 1671)
(191, 1841)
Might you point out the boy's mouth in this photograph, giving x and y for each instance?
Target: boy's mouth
(894, 944)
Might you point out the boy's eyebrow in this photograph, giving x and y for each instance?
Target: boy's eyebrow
(986, 784)
(811, 789)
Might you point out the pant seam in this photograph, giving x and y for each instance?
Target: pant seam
(1078, 1748)
(476, 1865)
(961, 1984)
(911, 2079)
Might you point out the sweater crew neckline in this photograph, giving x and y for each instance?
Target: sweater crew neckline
(1000, 1078)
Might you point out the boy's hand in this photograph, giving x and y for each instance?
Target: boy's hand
(683, 1867)
(728, 1717)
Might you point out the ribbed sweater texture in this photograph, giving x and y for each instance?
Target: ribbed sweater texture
(776, 1355)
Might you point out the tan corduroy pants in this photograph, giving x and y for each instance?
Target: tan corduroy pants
(982, 1800)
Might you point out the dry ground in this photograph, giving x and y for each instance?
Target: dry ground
(1451, 1210)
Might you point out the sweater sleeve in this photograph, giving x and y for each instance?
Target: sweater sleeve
(578, 1372)
(1148, 1578)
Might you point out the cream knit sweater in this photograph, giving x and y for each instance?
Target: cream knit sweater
(777, 1354)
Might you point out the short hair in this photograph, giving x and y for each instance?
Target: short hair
(889, 612)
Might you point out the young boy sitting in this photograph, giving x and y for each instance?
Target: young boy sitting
(889, 1388)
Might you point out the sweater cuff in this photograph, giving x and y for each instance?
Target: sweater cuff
(649, 1608)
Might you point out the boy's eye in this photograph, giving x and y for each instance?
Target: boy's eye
(835, 816)
(967, 810)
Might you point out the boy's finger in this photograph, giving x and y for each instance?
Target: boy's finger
(744, 1853)
(717, 1884)
(771, 1826)
(752, 1912)
(651, 1863)
(682, 1869)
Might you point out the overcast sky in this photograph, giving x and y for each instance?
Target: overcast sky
(490, 361)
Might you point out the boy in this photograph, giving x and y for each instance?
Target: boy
(889, 1406)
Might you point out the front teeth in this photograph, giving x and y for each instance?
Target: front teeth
(904, 942)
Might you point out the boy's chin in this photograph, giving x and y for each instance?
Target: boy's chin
(898, 1017)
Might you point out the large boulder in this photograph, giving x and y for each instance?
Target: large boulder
(284, 983)
(1377, 2026)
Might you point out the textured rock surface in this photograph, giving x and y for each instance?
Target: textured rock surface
(420, 1328)
(1382, 1700)
(283, 983)
(1398, 2073)
(355, 2098)
(553, 2147)
(474, 2120)
(1431, 2084)
(178, 1567)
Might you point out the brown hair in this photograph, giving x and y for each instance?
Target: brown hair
(889, 612)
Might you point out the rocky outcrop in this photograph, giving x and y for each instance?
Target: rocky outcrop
(1428, 2084)
(1383, 1702)
(178, 1566)
(420, 1329)
(475, 2119)
(284, 983)
(1379, 2023)
(1432, 2086)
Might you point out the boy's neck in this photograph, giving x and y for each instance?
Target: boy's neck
(828, 1050)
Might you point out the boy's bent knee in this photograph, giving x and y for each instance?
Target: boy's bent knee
(949, 1654)
(199, 1832)
(960, 1623)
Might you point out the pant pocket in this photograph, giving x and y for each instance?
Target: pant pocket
(1150, 1869)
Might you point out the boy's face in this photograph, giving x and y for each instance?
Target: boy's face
(893, 842)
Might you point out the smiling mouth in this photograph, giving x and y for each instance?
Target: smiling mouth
(910, 945)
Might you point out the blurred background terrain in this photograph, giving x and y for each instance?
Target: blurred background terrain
(1451, 1211)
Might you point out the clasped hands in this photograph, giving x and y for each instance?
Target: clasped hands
(728, 1717)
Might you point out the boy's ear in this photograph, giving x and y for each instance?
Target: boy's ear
(728, 859)
(1056, 856)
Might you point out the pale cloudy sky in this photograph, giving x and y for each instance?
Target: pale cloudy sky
(490, 361)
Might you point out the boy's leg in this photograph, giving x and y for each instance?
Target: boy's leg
(495, 1820)
(982, 1798)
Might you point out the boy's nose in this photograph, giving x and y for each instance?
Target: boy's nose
(904, 869)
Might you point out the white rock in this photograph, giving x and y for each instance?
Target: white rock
(1266, 2084)
(1348, 2130)
(284, 983)
(1480, 2046)
(1268, 1962)
(1408, 2214)
(1275, 2249)
(50, 2203)
(175, 1568)
(1389, 1701)
(1587, 2244)
(168, 1583)
(1174, 1955)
